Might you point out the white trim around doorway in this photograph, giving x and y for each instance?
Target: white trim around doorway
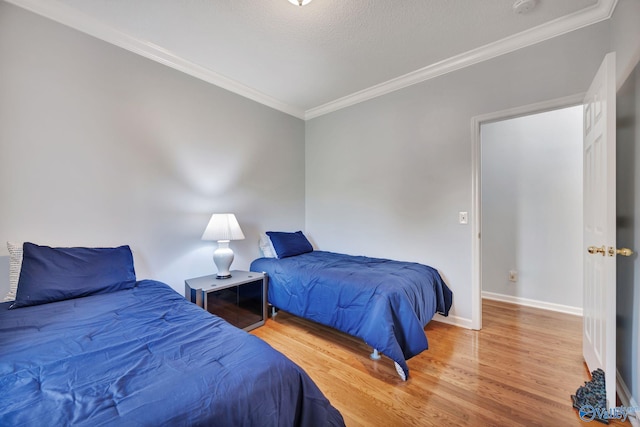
(476, 203)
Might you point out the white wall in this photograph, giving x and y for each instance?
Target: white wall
(387, 177)
(532, 207)
(99, 146)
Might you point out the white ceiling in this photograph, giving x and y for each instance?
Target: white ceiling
(310, 60)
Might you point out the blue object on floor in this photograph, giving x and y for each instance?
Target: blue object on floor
(591, 399)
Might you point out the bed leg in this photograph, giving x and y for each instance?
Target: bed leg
(375, 355)
(273, 312)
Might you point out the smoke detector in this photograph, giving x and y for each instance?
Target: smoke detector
(524, 6)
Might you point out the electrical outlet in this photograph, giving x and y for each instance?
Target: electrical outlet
(513, 276)
(463, 217)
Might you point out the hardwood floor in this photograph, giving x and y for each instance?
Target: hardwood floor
(519, 370)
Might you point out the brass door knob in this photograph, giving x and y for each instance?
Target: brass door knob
(595, 250)
(624, 251)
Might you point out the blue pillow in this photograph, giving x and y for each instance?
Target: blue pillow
(289, 244)
(55, 274)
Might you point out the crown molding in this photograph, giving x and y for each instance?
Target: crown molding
(70, 17)
(599, 12)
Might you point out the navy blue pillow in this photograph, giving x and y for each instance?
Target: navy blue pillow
(289, 244)
(55, 274)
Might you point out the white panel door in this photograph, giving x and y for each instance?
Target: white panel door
(599, 322)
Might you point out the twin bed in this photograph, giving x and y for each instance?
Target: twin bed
(386, 303)
(85, 343)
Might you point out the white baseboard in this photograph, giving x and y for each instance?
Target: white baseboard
(453, 320)
(576, 311)
(627, 400)
(468, 323)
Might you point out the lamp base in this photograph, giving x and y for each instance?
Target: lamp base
(223, 257)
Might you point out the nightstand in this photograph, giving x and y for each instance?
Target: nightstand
(240, 300)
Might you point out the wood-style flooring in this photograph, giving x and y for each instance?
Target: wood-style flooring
(519, 370)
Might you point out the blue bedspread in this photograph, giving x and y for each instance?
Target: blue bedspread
(386, 303)
(146, 357)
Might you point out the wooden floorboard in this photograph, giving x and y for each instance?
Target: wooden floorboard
(519, 370)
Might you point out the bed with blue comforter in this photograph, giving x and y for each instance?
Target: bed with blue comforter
(145, 356)
(384, 302)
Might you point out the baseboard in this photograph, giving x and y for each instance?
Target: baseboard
(576, 311)
(627, 400)
(453, 320)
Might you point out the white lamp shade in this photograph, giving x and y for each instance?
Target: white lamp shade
(299, 2)
(223, 227)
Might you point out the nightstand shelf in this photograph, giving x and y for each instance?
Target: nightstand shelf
(240, 299)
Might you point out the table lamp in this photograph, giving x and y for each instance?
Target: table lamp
(223, 228)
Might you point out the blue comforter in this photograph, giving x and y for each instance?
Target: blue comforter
(386, 303)
(146, 356)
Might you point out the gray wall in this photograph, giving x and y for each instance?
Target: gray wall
(99, 146)
(625, 40)
(628, 233)
(532, 208)
(625, 37)
(387, 177)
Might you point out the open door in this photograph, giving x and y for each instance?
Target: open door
(599, 322)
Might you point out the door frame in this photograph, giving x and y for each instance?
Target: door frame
(476, 186)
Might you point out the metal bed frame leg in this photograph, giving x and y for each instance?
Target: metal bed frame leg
(375, 355)
(274, 313)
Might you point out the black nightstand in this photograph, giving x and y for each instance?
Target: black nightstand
(240, 300)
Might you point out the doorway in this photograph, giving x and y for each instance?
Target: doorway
(527, 215)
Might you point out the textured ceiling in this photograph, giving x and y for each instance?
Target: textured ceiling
(306, 57)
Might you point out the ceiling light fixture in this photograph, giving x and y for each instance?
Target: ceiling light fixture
(524, 6)
(299, 2)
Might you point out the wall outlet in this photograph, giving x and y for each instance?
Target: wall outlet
(463, 217)
(513, 276)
